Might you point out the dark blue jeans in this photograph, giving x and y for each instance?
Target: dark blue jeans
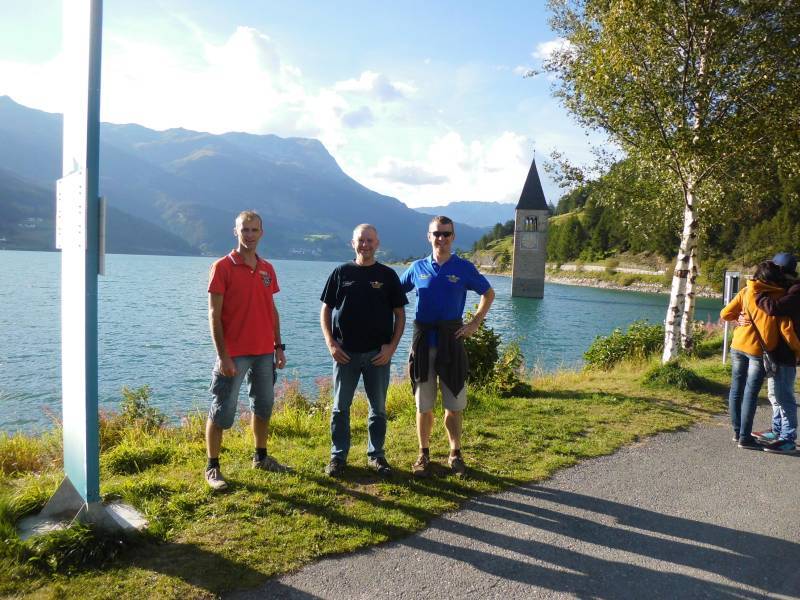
(376, 383)
(747, 375)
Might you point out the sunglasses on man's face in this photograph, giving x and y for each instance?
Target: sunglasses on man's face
(438, 234)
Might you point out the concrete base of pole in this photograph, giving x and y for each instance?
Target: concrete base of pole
(68, 506)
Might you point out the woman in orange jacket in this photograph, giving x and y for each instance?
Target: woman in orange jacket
(747, 367)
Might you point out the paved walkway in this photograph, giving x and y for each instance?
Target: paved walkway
(681, 515)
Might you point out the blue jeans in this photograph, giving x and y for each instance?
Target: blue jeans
(225, 390)
(784, 423)
(747, 375)
(376, 383)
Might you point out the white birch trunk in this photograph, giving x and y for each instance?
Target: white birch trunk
(677, 297)
(687, 340)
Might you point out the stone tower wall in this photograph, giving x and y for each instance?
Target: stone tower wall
(530, 253)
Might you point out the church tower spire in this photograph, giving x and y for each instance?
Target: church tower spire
(530, 238)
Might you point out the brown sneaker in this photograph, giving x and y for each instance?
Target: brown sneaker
(457, 466)
(421, 468)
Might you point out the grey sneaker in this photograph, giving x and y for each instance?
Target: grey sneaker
(215, 480)
(422, 467)
(457, 465)
(271, 465)
(335, 468)
(380, 466)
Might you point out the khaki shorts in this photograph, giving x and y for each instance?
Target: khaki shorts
(425, 394)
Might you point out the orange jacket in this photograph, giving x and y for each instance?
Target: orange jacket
(770, 328)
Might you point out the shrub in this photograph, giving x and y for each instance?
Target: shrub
(488, 368)
(482, 352)
(673, 375)
(640, 341)
(506, 379)
(137, 411)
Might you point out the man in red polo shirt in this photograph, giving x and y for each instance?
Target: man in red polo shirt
(246, 331)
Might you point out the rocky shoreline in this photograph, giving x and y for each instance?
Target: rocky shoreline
(636, 286)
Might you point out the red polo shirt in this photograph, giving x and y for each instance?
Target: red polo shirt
(248, 323)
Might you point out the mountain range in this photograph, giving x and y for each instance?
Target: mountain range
(476, 214)
(178, 192)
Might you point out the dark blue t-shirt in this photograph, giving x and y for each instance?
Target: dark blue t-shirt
(363, 300)
(442, 289)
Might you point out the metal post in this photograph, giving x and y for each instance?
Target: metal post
(78, 235)
(78, 195)
(731, 289)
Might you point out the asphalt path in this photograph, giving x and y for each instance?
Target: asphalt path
(678, 515)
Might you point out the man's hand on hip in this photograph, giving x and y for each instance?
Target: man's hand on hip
(280, 358)
(467, 329)
(339, 355)
(384, 356)
(227, 367)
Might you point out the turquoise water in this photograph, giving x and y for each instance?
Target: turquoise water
(153, 328)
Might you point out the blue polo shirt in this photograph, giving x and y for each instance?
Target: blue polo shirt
(442, 289)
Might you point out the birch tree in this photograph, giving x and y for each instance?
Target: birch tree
(691, 89)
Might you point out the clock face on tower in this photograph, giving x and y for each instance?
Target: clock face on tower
(529, 240)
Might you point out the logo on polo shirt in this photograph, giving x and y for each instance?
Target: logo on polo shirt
(452, 278)
(424, 276)
(347, 283)
(265, 278)
(376, 284)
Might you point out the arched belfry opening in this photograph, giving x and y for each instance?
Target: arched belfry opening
(530, 239)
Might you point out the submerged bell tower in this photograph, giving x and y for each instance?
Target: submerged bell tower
(530, 238)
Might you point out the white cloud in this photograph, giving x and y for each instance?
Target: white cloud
(407, 173)
(361, 117)
(545, 50)
(33, 84)
(452, 168)
(378, 86)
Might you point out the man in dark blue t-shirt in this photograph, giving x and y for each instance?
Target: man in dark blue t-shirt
(362, 318)
(442, 280)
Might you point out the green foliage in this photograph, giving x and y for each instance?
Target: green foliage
(136, 409)
(75, 548)
(490, 369)
(640, 341)
(498, 232)
(672, 375)
(482, 352)
(22, 454)
(136, 454)
(507, 373)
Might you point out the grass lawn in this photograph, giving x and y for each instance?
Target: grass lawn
(201, 544)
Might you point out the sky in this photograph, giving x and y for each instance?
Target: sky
(421, 100)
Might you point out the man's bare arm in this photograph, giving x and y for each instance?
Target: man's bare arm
(226, 365)
(280, 355)
(484, 305)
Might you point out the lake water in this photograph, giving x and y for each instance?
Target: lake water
(153, 328)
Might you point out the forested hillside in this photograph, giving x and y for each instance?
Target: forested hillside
(596, 222)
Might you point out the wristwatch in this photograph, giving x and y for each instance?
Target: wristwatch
(281, 346)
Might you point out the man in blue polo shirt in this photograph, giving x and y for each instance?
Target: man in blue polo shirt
(437, 350)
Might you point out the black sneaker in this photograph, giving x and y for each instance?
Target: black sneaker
(380, 466)
(749, 443)
(335, 468)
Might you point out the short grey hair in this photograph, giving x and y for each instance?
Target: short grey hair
(362, 227)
